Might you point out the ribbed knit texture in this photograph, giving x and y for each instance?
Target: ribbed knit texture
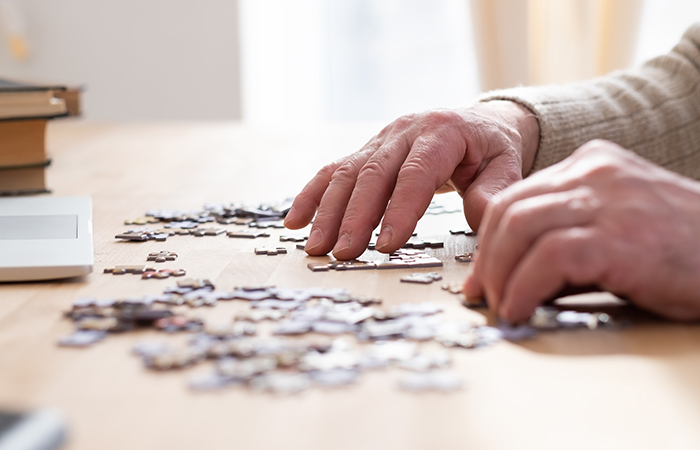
(653, 110)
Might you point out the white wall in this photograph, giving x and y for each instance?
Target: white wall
(663, 24)
(140, 59)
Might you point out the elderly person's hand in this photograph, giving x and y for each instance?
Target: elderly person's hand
(478, 151)
(605, 217)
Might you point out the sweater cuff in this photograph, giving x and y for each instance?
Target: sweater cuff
(540, 101)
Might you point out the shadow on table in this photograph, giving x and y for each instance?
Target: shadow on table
(636, 331)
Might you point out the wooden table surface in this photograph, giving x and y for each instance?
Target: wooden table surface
(637, 387)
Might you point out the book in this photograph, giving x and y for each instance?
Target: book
(25, 109)
(24, 100)
(23, 180)
(22, 142)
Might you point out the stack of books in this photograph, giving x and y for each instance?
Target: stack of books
(24, 112)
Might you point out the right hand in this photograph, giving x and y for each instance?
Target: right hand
(477, 151)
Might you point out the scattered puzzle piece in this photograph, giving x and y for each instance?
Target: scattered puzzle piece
(82, 338)
(400, 259)
(413, 244)
(452, 288)
(199, 232)
(422, 278)
(246, 234)
(141, 235)
(293, 238)
(186, 224)
(267, 224)
(174, 231)
(179, 323)
(136, 269)
(465, 257)
(270, 251)
(162, 256)
(195, 283)
(467, 232)
(436, 208)
(141, 221)
(235, 220)
(163, 273)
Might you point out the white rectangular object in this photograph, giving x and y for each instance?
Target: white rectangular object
(43, 238)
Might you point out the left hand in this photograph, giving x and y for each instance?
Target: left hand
(604, 217)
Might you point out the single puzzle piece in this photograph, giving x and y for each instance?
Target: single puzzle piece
(162, 256)
(82, 338)
(176, 215)
(163, 273)
(141, 221)
(421, 278)
(423, 244)
(466, 232)
(293, 238)
(436, 208)
(195, 283)
(246, 234)
(465, 257)
(186, 224)
(267, 224)
(319, 267)
(452, 288)
(140, 235)
(474, 302)
(136, 269)
(174, 231)
(234, 220)
(269, 251)
(179, 323)
(199, 232)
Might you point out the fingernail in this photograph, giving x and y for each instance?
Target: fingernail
(315, 238)
(342, 244)
(290, 215)
(385, 237)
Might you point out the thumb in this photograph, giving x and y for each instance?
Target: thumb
(497, 175)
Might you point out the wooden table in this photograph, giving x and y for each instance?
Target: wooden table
(634, 388)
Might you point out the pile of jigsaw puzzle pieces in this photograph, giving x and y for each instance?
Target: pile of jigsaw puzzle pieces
(290, 340)
(199, 222)
(292, 357)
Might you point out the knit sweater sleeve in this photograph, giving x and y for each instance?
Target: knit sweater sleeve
(653, 110)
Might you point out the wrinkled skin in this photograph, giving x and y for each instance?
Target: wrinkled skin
(477, 151)
(604, 217)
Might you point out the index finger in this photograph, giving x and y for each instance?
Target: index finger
(426, 169)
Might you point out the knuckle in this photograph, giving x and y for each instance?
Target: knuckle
(413, 169)
(344, 173)
(440, 117)
(374, 168)
(405, 120)
(399, 125)
(327, 171)
(517, 217)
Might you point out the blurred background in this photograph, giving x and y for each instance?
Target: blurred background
(281, 62)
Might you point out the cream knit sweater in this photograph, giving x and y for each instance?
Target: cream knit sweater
(653, 110)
